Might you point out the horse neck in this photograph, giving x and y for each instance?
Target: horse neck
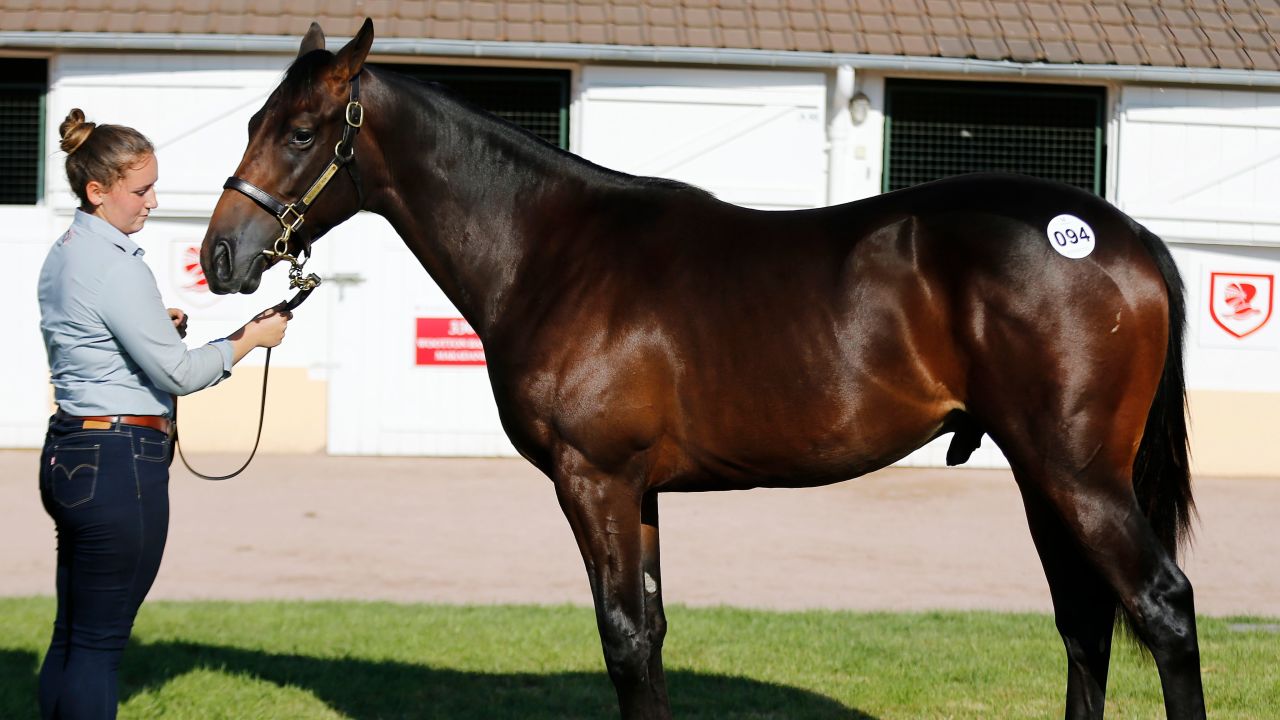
(470, 196)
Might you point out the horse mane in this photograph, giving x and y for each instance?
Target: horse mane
(440, 96)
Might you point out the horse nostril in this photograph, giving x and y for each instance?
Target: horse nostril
(222, 261)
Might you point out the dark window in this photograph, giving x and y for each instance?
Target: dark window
(23, 84)
(536, 100)
(938, 129)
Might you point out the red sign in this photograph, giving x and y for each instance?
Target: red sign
(1240, 303)
(448, 341)
(192, 273)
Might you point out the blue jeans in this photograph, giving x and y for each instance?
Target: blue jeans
(108, 494)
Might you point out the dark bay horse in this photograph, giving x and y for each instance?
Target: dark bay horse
(644, 337)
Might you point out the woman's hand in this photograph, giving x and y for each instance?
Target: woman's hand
(179, 319)
(266, 330)
(268, 327)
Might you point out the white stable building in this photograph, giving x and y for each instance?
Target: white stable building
(1180, 129)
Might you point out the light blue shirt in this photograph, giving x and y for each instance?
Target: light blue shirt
(113, 350)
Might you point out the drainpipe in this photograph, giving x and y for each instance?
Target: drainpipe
(840, 138)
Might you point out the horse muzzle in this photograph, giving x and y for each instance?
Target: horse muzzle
(221, 271)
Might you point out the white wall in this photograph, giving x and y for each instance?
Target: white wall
(195, 110)
(754, 138)
(1201, 165)
(1201, 168)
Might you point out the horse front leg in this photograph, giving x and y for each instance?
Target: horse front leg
(617, 536)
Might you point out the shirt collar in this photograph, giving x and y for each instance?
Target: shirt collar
(95, 225)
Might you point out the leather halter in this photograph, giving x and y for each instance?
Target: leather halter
(291, 215)
(343, 156)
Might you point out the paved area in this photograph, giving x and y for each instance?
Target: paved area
(490, 531)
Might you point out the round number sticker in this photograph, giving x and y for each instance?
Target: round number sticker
(1070, 236)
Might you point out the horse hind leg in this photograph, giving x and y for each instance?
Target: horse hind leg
(1085, 517)
(1084, 608)
(615, 524)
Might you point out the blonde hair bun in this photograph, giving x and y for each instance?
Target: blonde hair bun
(74, 131)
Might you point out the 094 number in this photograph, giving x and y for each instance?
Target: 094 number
(1071, 237)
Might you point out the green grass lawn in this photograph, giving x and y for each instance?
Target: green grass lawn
(380, 660)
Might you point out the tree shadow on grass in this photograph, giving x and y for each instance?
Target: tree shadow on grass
(369, 689)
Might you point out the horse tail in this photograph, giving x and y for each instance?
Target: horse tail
(1161, 471)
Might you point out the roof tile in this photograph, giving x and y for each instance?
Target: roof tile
(804, 21)
(700, 37)
(806, 38)
(408, 28)
(593, 34)
(1058, 51)
(1162, 55)
(1190, 33)
(445, 29)
(482, 11)
(916, 45)
(950, 46)
(876, 24)
(518, 12)
(1127, 54)
(772, 40)
(519, 31)
(555, 32)
(990, 49)
(849, 44)
(482, 29)
(1093, 53)
(664, 36)
(1022, 50)
(882, 45)
(909, 25)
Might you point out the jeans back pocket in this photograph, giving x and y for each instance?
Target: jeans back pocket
(152, 450)
(74, 475)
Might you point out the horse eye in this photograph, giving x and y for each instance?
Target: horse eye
(302, 137)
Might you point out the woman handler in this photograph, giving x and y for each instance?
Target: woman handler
(117, 359)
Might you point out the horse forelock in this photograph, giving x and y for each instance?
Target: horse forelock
(297, 92)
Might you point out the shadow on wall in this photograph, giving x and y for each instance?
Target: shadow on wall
(365, 690)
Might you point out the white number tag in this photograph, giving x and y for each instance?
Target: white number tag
(1070, 236)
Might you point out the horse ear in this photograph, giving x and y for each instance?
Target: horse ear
(313, 40)
(351, 57)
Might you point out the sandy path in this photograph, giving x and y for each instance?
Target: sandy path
(489, 531)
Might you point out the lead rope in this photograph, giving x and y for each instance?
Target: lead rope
(262, 413)
(307, 285)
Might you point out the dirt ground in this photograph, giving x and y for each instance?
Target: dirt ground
(490, 531)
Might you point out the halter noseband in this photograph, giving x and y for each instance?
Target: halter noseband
(292, 214)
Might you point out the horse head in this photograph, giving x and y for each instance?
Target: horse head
(303, 137)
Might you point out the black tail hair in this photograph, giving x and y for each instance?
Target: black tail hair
(1161, 471)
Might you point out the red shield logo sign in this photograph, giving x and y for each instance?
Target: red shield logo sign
(1240, 303)
(188, 276)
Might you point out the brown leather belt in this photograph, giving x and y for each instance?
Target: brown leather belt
(102, 422)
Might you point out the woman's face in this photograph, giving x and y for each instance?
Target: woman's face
(130, 199)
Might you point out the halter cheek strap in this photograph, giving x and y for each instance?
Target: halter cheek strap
(291, 215)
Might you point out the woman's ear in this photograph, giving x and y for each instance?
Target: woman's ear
(94, 191)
